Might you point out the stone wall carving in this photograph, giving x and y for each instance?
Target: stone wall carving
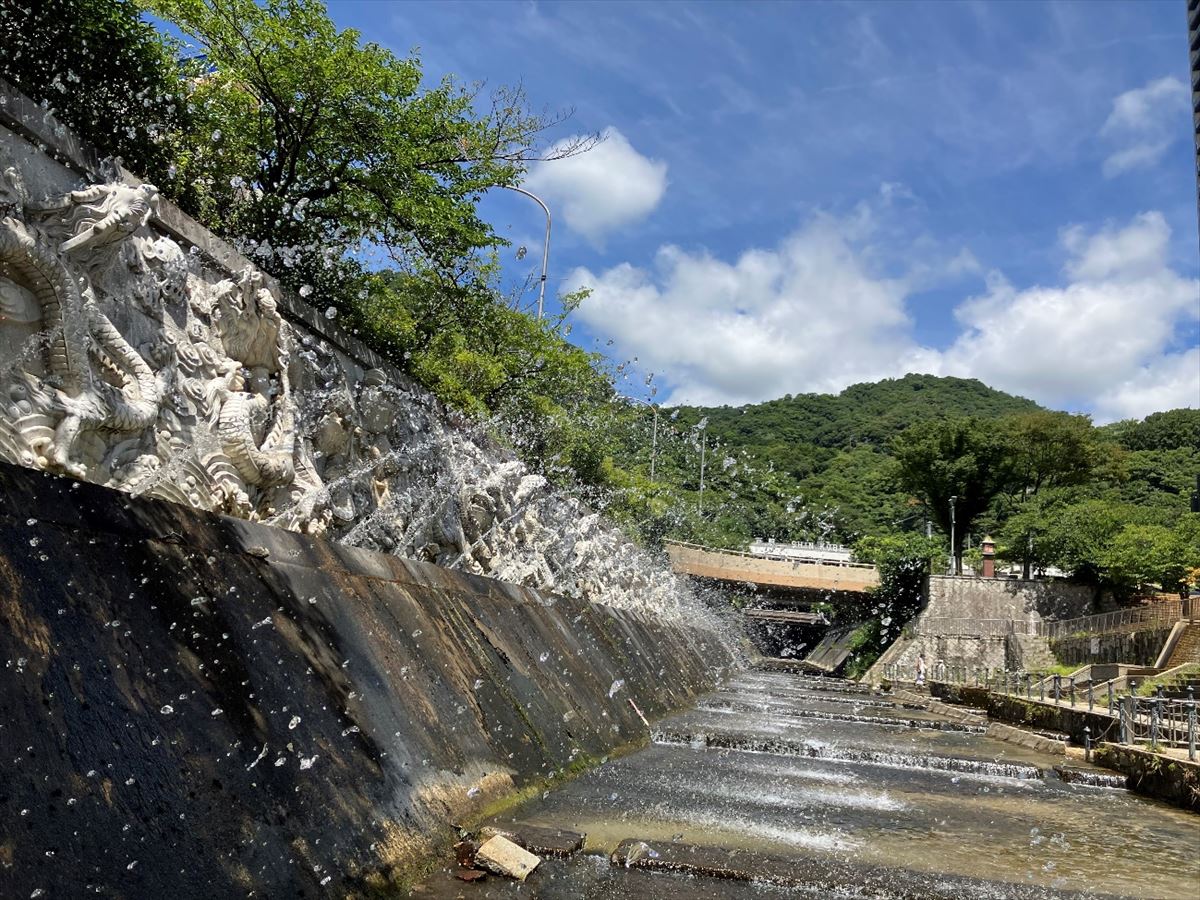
(131, 359)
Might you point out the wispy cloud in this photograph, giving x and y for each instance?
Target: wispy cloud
(1142, 124)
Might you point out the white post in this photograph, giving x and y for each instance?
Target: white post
(545, 245)
(654, 445)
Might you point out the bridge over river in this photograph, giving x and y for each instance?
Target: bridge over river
(787, 573)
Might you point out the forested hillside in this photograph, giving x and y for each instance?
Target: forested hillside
(1107, 503)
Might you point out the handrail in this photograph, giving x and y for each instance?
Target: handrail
(1160, 612)
(773, 558)
(964, 626)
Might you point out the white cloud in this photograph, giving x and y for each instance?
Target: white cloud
(807, 315)
(1168, 382)
(1143, 124)
(813, 315)
(1091, 340)
(604, 189)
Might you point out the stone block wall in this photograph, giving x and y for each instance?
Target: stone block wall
(964, 623)
(970, 597)
(1136, 647)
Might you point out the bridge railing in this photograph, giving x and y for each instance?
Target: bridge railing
(774, 557)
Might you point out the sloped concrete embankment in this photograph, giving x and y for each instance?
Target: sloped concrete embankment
(200, 706)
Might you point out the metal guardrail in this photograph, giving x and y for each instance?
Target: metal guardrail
(949, 625)
(1159, 613)
(774, 557)
(1156, 720)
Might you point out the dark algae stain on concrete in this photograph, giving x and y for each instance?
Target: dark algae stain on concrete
(203, 707)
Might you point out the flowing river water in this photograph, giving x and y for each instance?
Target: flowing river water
(806, 787)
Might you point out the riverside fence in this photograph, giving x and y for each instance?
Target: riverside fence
(1157, 721)
(1159, 614)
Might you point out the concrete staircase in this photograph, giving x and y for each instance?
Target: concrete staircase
(1028, 653)
(1187, 646)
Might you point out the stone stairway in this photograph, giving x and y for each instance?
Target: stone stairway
(1028, 653)
(1187, 648)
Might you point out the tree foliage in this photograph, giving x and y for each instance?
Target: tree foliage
(967, 459)
(309, 145)
(103, 72)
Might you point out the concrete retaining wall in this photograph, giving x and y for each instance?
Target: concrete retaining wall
(1137, 648)
(197, 706)
(1174, 780)
(966, 597)
(965, 619)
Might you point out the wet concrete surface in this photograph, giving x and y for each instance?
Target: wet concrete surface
(193, 706)
(888, 826)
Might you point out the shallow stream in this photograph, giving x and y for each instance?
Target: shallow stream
(853, 792)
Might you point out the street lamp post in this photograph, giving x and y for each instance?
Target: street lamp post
(953, 556)
(653, 434)
(545, 245)
(703, 446)
(654, 443)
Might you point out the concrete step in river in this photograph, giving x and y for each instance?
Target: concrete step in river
(746, 795)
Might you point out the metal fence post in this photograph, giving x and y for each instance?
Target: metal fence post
(1091, 696)
(1087, 743)
(1072, 690)
(1057, 687)
(1041, 686)
(1125, 710)
(1191, 724)
(1110, 697)
(1154, 713)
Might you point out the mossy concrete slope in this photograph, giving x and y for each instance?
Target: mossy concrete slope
(199, 706)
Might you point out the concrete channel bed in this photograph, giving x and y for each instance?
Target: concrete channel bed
(847, 807)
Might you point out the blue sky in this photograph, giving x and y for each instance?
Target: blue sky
(795, 197)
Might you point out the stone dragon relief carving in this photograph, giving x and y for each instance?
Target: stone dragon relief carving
(91, 379)
(199, 411)
(126, 361)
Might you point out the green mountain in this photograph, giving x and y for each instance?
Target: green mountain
(813, 466)
(798, 432)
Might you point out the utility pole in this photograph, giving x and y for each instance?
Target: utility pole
(954, 570)
(654, 444)
(703, 445)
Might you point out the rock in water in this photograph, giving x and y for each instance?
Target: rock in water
(502, 856)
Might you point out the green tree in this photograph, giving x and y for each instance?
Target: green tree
(968, 459)
(1173, 429)
(1046, 450)
(310, 146)
(904, 562)
(103, 71)
(1149, 554)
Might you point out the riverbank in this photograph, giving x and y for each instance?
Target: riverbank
(785, 785)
